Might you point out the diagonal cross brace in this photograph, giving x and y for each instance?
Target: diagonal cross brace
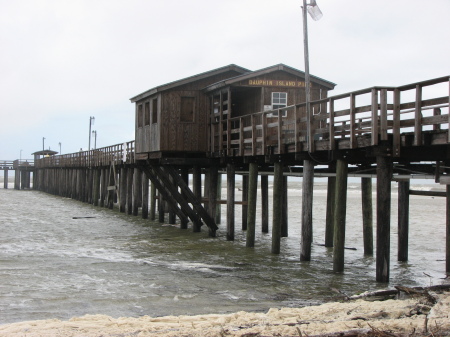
(189, 195)
(167, 195)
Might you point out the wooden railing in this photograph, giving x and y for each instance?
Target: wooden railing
(378, 113)
(117, 154)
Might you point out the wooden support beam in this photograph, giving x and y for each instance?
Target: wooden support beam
(245, 200)
(331, 125)
(145, 195)
(123, 189)
(152, 202)
(184, 173)
(213, 179)
(197, 191)
(251, 214)
(307, 206)
(383, 115)
(172, 215)
(265, 203)
(284, 207)
(277, 203)
(5, 179)
(374, 121)
(367, 213)
(418, 117)
(403, 219)
(384, 174)
(331, 197)
(231, 186)
(200, 212)
(396, 138)
(166, 189)
(161, 205)
(137, 192)
(352, 122)
(103, 185)
(129, 203)
(96, 191)
(340, 215)
(218, 214)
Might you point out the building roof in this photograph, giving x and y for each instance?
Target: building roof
(45, 153)
(268, 70)
(150, 92)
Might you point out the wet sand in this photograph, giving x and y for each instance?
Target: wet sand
(413, 316)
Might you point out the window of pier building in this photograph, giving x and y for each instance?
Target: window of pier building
(154, 110)
(187, 109)
(140, 117)
(279, 100)
(147, 113)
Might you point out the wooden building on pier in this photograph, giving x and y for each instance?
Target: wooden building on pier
(191, 116)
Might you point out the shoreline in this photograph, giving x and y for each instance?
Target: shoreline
(413, 316)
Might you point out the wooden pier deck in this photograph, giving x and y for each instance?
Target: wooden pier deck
(391, 133)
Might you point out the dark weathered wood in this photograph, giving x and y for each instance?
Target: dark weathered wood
(329, 222)
(307, 203)
(403, 219)
(197, 191)
(145, 195)
(284, 213)
(111, 187)
(213, 178)
(184, 173)
(231, 186)
(189, 197)
(104, 187)
(129, 204)
(245, 199)
(172, 215)
(418, 117)
(137, 196)
(265, 203)
(218, 214)
(428, 193)
(396, 130)
(340, 215)
(251, 215)
(277, 204)
(96, 188)
(123, 189)
(168, 191)
(161, 203)
(384, 173)
(5, 178)
(367, 213)
(152, 202)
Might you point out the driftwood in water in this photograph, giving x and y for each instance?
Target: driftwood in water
(393, 292)
(83, 217)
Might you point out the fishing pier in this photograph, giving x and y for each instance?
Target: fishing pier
(234, 121)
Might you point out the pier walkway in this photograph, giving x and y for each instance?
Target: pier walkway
(391, 133)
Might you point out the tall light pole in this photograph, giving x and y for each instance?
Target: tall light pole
(43, 147)
(95, 139)
(316, 14)
(59, 148)
(91, 122)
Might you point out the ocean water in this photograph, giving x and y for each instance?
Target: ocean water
(106, 262)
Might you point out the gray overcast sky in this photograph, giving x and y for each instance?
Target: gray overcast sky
(63, 61)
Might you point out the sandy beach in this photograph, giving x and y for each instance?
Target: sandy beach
(413, 316)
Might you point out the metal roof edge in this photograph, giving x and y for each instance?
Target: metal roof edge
(186, 80)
